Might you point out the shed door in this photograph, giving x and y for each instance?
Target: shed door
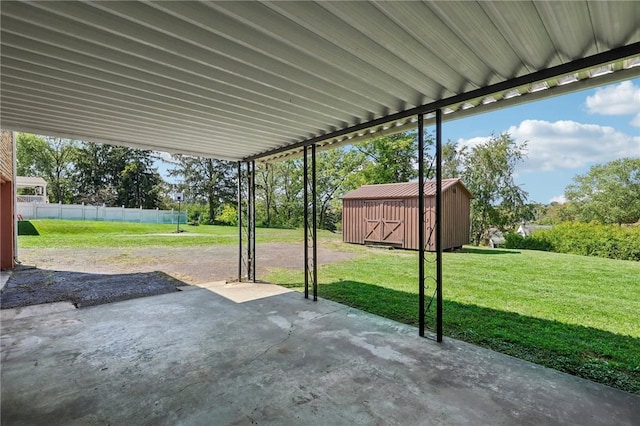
(373, 221)
(384, 222)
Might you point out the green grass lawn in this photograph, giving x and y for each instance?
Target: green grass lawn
(83, 234)
(580, 315)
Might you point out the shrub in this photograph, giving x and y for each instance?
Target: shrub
(516, 241)
(228, 216)
(594, 239)
(197, 213)
(586, 239)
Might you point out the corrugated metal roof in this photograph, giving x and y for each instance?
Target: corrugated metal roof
(235, 80)
(401, 190)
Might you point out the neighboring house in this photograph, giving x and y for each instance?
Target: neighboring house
(39, 186)
(496, 238)
(526, 230)
(387, 214)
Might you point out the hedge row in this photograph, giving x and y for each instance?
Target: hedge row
(587, 239)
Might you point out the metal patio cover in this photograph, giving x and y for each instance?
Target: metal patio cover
(235, 80)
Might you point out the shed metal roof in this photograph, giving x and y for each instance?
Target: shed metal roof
(387, 191)
(238, 80)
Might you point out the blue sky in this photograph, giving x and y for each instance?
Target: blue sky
(565, 135)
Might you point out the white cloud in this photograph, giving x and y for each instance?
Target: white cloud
(165, 156)
(470, 143)
(569, 145)
(621, 99)
(560, 199)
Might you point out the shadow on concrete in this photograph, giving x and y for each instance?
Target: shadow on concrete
(586, 352)
(29, 286)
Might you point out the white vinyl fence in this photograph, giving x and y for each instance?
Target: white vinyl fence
(28, 211)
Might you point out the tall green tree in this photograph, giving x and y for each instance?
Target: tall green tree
(279, 189)
(140, 184)
(98, 168)
(206, 181)
(452, 160)
(117, 176)
(390, 159)
(488, 173)
(337, 172)
(289, 197)
(608, 193)
(50, 159)
(267, 182)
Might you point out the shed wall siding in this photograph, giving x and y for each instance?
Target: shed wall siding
(457, 222)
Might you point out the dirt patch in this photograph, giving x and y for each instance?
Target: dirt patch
(192, 265)
(87, 277)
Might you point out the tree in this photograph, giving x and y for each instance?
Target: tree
(116, 175)
(607, 193)
(140, 185)
(488, 174)
(555, 213)
(336, 173)
(290, 208)
(452, 160)
(266, 189)
(48, 158)
(98, 169)
(206, 180)
(390, 158)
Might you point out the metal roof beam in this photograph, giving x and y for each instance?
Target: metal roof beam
(538, 76)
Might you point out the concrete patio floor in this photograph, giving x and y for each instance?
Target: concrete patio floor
(200, 358)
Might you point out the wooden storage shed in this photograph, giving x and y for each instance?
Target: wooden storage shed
(387, 214)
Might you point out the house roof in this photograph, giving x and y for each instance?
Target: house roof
(244, 80)
(401, 190)
(29, 182)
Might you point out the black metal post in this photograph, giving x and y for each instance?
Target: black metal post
(239, 221)
(315, 223)
(253, 222)
(249, 224)
(179, 211)
(439, 225)
(421, 229)
(248, 249)
(306, 222)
